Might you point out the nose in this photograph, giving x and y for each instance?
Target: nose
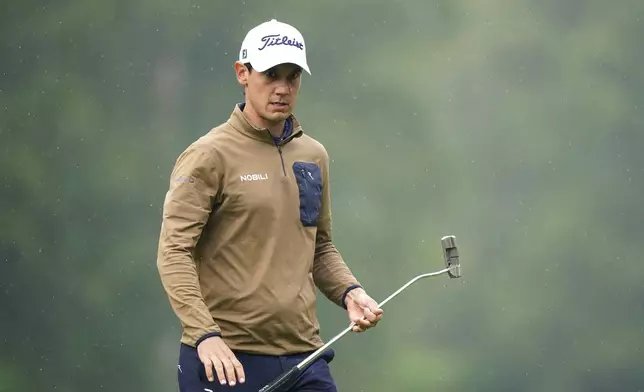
(282, 87)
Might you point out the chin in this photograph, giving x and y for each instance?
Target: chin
(277, 116)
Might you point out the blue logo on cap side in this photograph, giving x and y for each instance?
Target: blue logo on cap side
(244, 54)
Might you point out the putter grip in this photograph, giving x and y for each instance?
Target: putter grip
(285, 379)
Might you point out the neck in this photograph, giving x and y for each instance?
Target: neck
(275, 128)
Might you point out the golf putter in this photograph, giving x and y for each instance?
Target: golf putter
(452, 268)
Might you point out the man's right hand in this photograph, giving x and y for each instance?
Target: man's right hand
(214, 353)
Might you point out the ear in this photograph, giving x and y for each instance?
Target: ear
(241, 72)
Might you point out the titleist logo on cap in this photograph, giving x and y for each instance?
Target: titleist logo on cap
(277, 39)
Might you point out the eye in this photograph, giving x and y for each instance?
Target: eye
(270, 73)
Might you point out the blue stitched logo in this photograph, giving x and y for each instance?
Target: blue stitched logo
(277, 39)
(244, 54)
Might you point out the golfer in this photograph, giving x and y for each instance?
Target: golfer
(246, 235)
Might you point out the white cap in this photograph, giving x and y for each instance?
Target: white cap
(272, 43)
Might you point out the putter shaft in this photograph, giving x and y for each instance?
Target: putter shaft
(451, 258)
(320, 350)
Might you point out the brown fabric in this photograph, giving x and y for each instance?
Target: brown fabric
(234, 254)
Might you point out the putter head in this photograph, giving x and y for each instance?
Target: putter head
(450, 254)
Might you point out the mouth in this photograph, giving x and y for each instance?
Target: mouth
(279, 105)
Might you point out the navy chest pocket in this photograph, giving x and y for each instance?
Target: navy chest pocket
(309, 182)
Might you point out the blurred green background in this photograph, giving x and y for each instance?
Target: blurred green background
(515, 125)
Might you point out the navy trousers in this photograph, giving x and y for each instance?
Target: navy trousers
(259, 370)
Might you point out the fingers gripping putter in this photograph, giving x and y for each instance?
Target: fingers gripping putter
(452, 268)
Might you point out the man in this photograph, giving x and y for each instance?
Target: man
(246, 235)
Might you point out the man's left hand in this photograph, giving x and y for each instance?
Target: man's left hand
(362, 309)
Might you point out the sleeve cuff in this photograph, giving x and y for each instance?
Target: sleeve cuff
(206, 336)
(344, 296)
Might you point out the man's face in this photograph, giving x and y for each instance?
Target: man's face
(272, 93)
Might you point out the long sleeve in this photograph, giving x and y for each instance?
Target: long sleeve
(330, 272)
(188, 203)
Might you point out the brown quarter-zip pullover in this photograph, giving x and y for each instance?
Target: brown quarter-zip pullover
(246, 239)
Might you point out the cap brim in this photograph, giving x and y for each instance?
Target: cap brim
(263, 66)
